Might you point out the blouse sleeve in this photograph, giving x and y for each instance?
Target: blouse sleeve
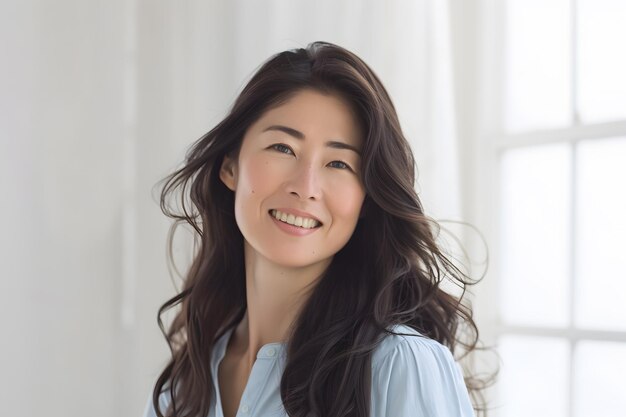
(149, 408)
(419, 378)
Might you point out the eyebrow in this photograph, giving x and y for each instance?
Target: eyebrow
(299, 135)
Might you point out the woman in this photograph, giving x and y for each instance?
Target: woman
(315, 287)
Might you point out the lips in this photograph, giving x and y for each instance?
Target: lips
(295, 221)
(297, 213)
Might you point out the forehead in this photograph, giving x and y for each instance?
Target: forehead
(317, 115)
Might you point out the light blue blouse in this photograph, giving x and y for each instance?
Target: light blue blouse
(411, 377)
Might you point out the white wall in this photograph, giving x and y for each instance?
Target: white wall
(62, 148)
(98, 102)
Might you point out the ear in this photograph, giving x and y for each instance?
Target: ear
(228, 172)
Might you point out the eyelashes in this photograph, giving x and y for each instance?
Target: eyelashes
(282, 148)
(343, 165)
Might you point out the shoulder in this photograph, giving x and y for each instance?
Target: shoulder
(415, 357)
(413, 373)
(164, 401)
(407, 340)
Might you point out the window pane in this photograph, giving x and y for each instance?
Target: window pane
(601, 228)
(602, 60)
(600, 379)
(535, 193)
(537, 58)
(534, 377)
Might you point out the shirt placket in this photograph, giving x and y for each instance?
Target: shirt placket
(260, 373)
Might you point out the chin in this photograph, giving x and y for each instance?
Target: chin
(297, 260)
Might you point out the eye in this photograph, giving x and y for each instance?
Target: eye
(340, 165)
(282, 148)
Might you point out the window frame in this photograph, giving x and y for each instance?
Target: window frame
(479, 53)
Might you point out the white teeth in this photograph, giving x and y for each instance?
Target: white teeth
(295, 220)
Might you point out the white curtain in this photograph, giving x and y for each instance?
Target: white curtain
(98, 102)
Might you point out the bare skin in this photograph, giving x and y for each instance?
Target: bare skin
(275, 170)
(232, 379)
(280, 302)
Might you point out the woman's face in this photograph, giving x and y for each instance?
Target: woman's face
(300, 162)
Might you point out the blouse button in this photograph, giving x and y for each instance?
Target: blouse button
(271, 352)
(244, 408)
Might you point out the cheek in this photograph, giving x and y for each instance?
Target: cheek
(256, 176)
(347, 200)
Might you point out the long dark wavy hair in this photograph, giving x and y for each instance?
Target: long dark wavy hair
(390, 271)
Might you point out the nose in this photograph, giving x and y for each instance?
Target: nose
(305, 182)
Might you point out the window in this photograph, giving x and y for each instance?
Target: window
(560, 246)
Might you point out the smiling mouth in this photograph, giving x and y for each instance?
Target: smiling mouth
(303, 222)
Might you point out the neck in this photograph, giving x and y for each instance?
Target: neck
(274, 294)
